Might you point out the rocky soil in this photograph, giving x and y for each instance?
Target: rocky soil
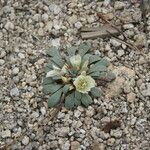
(27, 28)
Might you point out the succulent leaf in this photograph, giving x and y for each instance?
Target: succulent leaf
(55, 98)
(84, 48)
(95, 68)
(94, 58)
(69, 101)
(51, 88)
(53, 51)
(103, 62)
(77, 98)
(58, 61)
(47, 81)
(86, 100)
(96, 92)
(66, 88)
(71, 51)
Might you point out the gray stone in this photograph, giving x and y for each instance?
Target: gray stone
(49, 26)
(90, 111)
(2, 53)
(6, 133)
(124, 107)
(142, 60)
(75, 145)
(146, 92)
(77, 113)
(45, 17)
(110, 141)
(55, 9)
(116, 133)
(72, 19)
(14, 92)
(15, 70)
(128, 26)
(66, 146)
(140, 124)
(2, 61)
(21, 55)
(43, 110)
(120, 52)
(9, 25)
(119, 5)
(55, 42)
(131, 97)
(25, 140)
(63, 131)
(115, 43)
(78, 25)
(40, 32)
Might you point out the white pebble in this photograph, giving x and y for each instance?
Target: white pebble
(9, 25)
(6, 134)
(25, 140)
(78, 25)
(45, 17)
(15, 71)
(2, 62)
(21, 55)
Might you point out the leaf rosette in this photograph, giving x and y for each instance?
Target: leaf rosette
(73, 76)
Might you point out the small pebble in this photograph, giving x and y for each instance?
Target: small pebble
(9, 25)
(25, 140)
(6, 134)
(78, 25)
(15, 71)
(14, 92)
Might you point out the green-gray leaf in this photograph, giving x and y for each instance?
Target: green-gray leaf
(53, 51)
(71, 51)
(96, 92)
(103, 62)
(86, 100)
(77, 98)
(66, 88)
(85, 58)
(84, 48)
(69, 101)
(51, 88)
(94, 58)
(50, 65)
(54, 99)
(47, 81)
(95, 74)
(56, 78)
(58, 61)
(96, 68)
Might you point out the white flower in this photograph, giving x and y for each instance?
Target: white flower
(84, 83)
(75, 61)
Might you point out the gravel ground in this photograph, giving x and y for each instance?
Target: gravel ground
(27, 28)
